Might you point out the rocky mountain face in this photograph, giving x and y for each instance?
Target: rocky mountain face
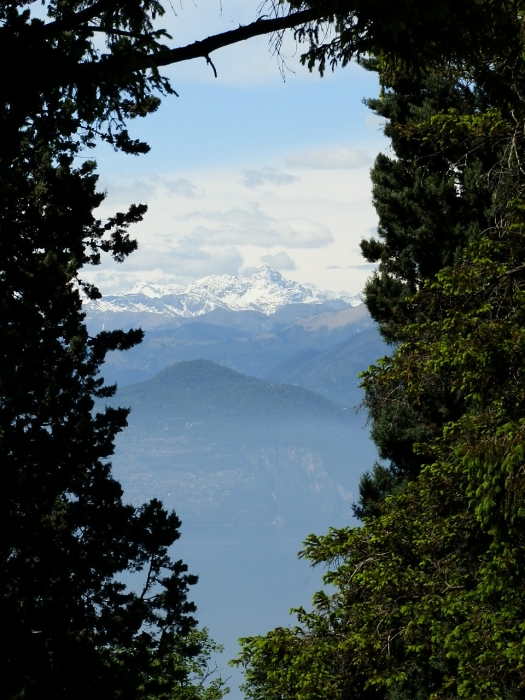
(153, 305)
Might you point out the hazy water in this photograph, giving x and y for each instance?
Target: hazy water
(249, 578)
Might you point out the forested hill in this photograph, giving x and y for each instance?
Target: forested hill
(201, 388)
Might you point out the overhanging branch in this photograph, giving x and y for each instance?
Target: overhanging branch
(202, 49)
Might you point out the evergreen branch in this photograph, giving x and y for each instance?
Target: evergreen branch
(75, 20)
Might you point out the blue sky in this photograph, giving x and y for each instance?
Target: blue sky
(247, 168)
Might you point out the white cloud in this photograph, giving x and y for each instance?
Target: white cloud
(329, 159)
(187, 263)
(317, 222)
(365, 266)
(266, 176)
(280, 261)
(125, 190)
(128, 190)
(248, 271)
(253, 227)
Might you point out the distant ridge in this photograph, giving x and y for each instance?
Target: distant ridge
(333, 372)
(201, 388)
(265, 291)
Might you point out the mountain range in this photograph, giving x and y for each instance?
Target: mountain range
(242, 420)
(242, 405)
(264, 292)
(317, 342)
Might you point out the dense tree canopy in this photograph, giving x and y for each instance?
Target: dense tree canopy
(429, 599)
(430, 205)
(72, 628)
(78, 72)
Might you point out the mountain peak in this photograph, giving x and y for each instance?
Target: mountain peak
(268, 274)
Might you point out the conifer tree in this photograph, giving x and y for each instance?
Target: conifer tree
(430, 203)
(420, 605)
(73, 629)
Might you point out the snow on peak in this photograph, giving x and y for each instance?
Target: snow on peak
(264, 291)
(268, 275)
(355, 300)
(153, 291)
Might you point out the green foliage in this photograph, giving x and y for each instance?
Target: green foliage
(374, 487)
(74, 90)
(430, 200)
(484, 36)
(426, 599)
(426, 604)
(73, 629)
(475, 345)
(184, 675)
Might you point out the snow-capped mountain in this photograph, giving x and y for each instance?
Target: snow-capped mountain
(265, 291)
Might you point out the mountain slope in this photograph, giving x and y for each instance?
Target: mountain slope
(200, 387)
(246, 341)
(333, 372)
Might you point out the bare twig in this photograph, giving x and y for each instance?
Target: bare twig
(210, 63)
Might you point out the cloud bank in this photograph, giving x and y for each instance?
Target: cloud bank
(252, 226)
